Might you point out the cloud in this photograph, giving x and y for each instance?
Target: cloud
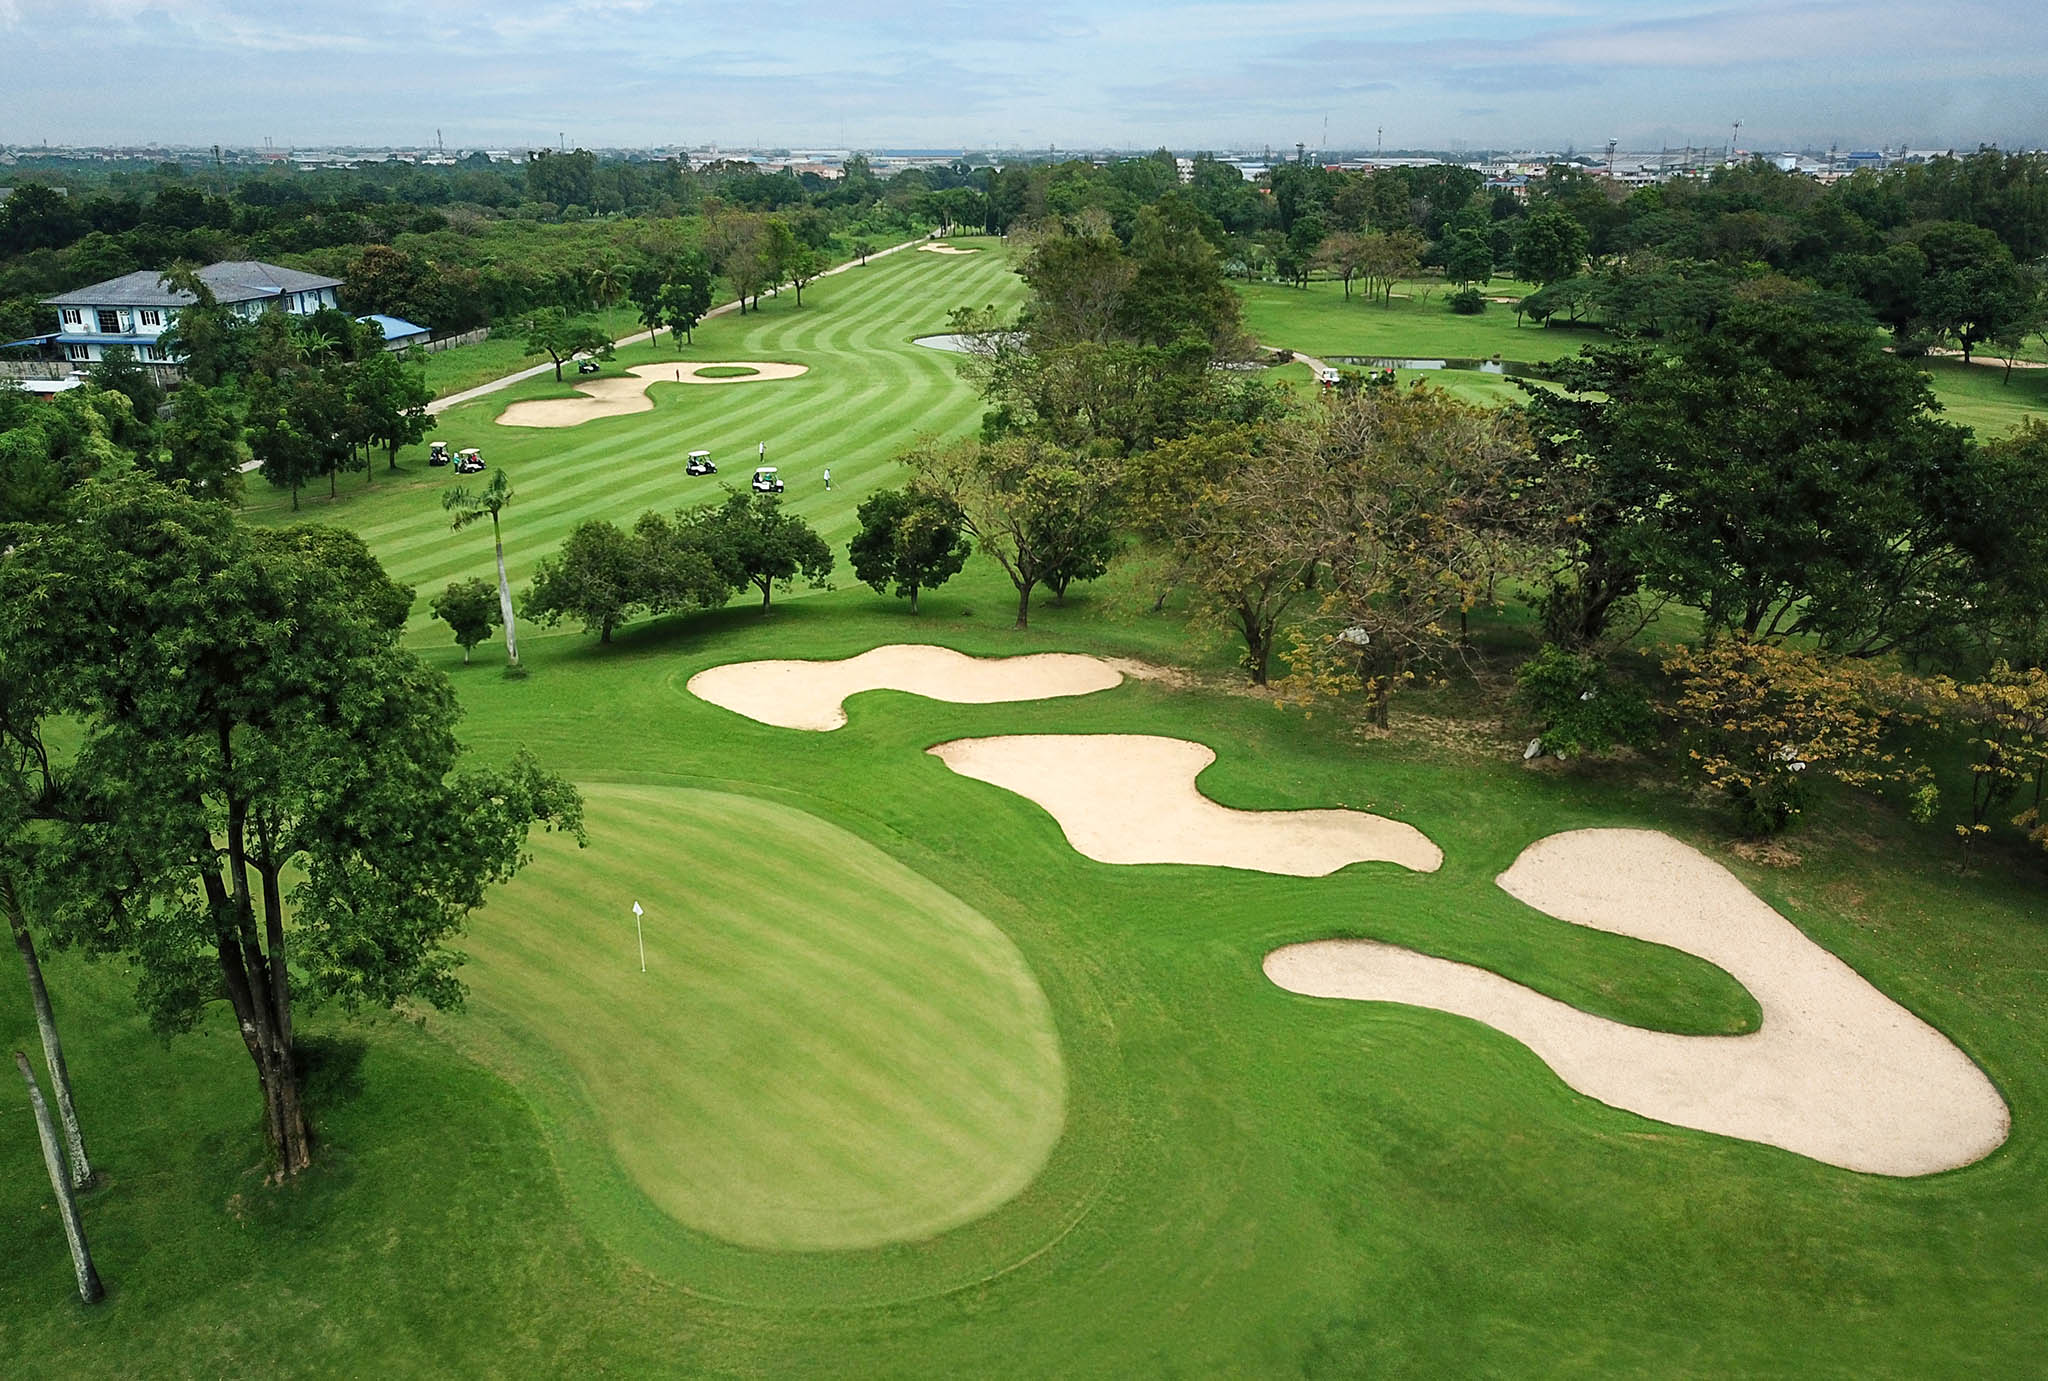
(1206, 73)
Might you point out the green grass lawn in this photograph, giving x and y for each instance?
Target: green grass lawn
(1320, 321)
(466, 366)
(567, 1178)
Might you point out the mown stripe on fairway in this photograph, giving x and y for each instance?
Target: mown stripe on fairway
(826, 1052)
(870, 392)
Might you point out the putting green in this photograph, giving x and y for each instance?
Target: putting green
(825, 1052)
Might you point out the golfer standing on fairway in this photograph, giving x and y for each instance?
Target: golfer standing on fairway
(828, 479)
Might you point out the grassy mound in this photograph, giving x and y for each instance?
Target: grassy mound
(725, 371)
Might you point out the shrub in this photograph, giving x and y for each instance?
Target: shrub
(1467, 301)
(1577, 707)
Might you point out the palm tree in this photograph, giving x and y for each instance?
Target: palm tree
(607, 284)
(468, 506)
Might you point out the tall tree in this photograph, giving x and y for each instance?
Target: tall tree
(1550, 247)
(758, 543)
(391, 396)
(595, 578)
(268, 779)
(908, 541)
(1030, 505)
(562, 337)
(471, 506)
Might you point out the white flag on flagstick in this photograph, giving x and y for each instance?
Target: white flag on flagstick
(636, 908)
(640, 936)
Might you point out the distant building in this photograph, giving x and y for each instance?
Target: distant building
(137, 308)
(398, 332)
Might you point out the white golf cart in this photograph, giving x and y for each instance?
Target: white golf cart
(767, 481)
(700, 464)
(437, 453)
(469, 462)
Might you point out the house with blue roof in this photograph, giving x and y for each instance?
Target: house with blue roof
(398, 332)
(137, 308)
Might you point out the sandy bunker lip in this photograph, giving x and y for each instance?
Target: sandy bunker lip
(946, 249)
(1836, 1071)
(812, 695)
(1131, 798)
(623, 395)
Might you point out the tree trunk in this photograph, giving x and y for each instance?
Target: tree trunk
(1023, 606)
(46, 1027)
(604, 631)
(505, 597)
(913, 601)
(295, 493)
(89, 1288)
(333, 476)
(766, 586)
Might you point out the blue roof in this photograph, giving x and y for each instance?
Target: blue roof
(393, 327)
(76, 338)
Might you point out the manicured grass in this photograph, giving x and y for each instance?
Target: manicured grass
(1985, 397)
(796, 977)
(466, 366)
(1246, 1183)
(1318, 320)
(868, 396)
(725, 371)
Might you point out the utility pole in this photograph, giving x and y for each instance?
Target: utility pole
(1610, 159)
(1733, 140)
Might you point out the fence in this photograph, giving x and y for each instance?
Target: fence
(439, 343)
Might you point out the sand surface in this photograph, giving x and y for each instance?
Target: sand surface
(812, 695)
(624, 394)
(1835, 1071)
(1131, 798)
(946, 249)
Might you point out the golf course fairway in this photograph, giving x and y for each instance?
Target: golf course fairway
(826, 1051)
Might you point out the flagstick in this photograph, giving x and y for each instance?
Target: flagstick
(641, 936)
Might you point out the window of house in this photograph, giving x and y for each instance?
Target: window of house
(110, 323)
(152, 317)
(72, 317)
(75, 352)
(154, 354)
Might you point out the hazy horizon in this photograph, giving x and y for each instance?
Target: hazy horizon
(1211, 74)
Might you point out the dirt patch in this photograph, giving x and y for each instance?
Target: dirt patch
(623, 395)
(812, 695)
(1836, 1071)
(1131, 798)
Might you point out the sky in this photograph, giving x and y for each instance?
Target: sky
(1219, 74)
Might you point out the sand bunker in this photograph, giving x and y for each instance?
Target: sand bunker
(624, 394)
(946, 249)
(1131, 798)
(1835, 1071)
(812, 695)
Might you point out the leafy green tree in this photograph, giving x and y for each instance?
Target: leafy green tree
(471, 506)
(1032, 506)
(1468, 257)
(909, 542)
(561, 337)
(298, 427)
(595, 578)
(1974, 290)
(1782, 473)
(120, 372)
(202, 446)
(756, 543)
(390, 395)
(49, 446)
(1577, 707)
(680, 564)
(269, 777)
(470, 608)
(1550, 247)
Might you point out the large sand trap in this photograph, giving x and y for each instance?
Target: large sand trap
(627, 393)
(1131, 798)
(812, 695)
(1835, 1071)
(946, 249)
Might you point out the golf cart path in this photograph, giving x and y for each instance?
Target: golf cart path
(470, 395)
